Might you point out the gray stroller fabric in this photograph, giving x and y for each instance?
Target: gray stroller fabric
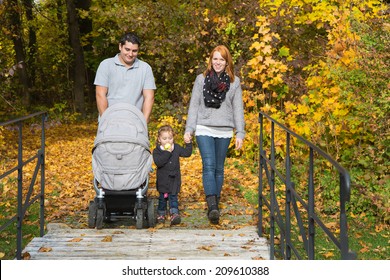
(121, 157)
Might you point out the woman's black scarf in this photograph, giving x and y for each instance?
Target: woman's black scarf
(215, 88)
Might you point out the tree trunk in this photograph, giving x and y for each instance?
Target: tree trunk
(86, 29)
(32, 40)
(79, 64)
(15, 26)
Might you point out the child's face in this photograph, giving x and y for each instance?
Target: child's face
(165, 138)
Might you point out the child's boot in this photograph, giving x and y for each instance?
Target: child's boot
(175, 218)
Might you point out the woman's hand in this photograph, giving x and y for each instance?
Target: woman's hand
(187, 137)
(239, 143)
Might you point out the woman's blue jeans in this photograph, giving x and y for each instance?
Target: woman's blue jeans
(213, 151)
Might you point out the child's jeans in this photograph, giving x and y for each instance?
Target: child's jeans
(173, 204)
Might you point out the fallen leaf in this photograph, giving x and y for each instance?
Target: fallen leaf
(107, 238)
(331, 225)
(77, 239)
(364, 250)
(26, 256)
(2, 255)
(328, 254)
(257, 258)
(158, 226)
(45, 249)
(206, 248)
(152, 229)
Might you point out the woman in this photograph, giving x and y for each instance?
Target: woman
(214, 115)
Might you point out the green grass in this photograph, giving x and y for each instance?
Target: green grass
(30, 229)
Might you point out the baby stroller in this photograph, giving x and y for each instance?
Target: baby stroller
(121, 162)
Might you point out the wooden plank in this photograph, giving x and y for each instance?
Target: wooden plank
(62, 242)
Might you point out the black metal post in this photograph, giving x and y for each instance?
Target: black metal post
(288, 199)
(311, 208)
(19, 219)
(42, 161)
(272, 192)
(260, 187)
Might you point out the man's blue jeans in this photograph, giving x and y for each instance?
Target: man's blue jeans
(213, 151)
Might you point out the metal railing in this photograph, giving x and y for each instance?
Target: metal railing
(22, 206)
(280, 219)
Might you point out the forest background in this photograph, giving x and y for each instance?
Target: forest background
(320, 67)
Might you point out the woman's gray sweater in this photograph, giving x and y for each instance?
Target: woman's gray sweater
(229, 115)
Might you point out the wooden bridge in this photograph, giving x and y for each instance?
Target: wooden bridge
(172, 243)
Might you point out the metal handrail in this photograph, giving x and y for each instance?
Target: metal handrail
(268, 166)
(40, 166)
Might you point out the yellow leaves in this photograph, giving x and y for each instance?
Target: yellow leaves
(314, 81)
(257, 46)
(264, 30)
(268, 60)
(340, 112)
(289, 106)
(2, 255)
(317, 116)
(250, 103)
(303, 130)
(205, 15)
(302, 109)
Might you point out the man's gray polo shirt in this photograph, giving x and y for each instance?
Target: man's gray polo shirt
(125, 84)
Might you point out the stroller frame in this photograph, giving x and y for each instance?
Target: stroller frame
(110, 205)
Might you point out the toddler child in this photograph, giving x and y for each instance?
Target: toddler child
(166, 157)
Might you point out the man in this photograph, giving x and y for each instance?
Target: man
(125, 78)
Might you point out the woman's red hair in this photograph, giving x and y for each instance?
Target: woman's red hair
(227, 56)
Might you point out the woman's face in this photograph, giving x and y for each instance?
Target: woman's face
(218, 62)
(165, 138)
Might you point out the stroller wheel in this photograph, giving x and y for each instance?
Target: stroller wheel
(92, 214)
(140, 218)
(151, 213)
(99, 218)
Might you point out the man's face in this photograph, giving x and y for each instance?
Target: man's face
(128, 53)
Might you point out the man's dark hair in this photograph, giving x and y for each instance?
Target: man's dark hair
(130, 37)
